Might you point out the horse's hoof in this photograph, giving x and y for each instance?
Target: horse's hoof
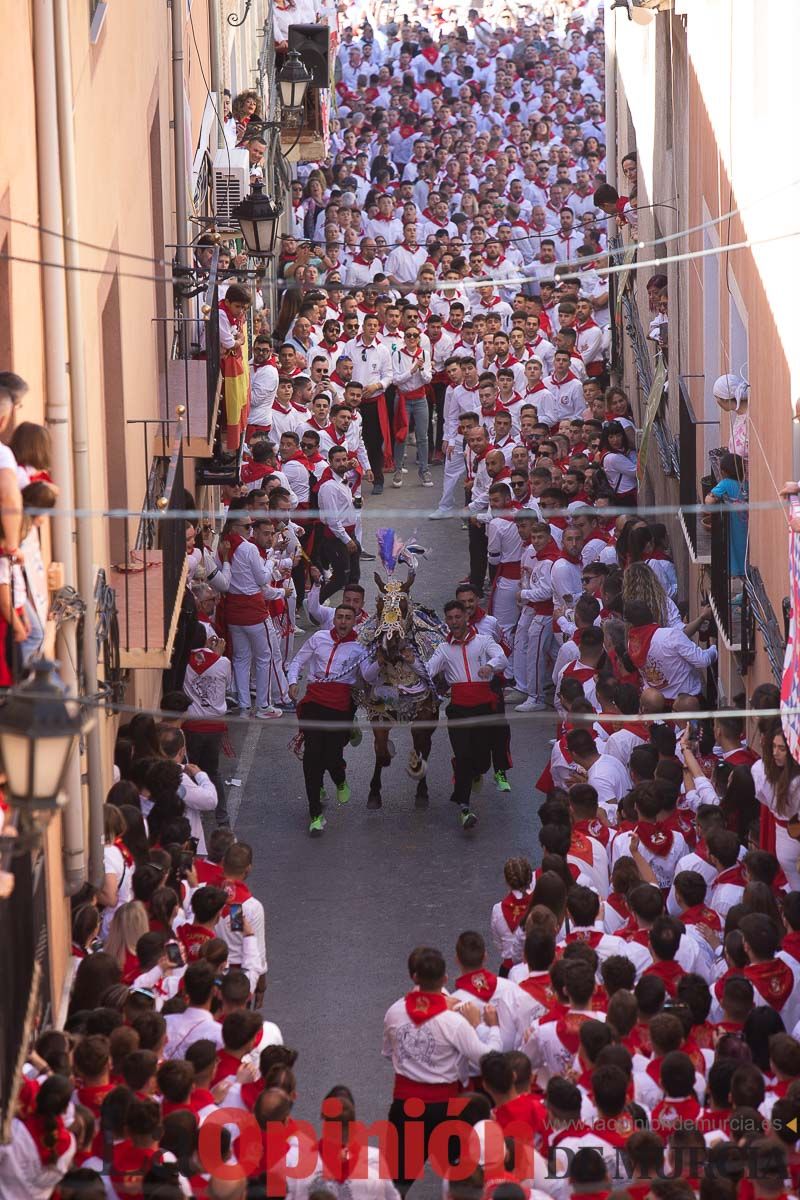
(391, 748)
(421, 800)
(417, 765)
(374, 800)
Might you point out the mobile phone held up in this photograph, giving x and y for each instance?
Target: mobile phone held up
(174, 954)
(237, 919)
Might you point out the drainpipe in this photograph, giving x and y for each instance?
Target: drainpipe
(216, 61)
(178, 136)
(610, 27)
(80, 425)
(57, 409)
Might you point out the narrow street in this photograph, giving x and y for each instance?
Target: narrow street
(343, 912)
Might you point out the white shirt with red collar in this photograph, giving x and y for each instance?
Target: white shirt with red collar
(336, 508)
(608, 945)
(565, 399)
(590, 346)
(611, 781)
(403, 263)
(566, 581)
(495, 305)
(661, 847)
(483, 987)
(458, 400)
(432, 1048)
(263, 388)
(286, 420)
(673, 663)
(462, 661)
(512, 364)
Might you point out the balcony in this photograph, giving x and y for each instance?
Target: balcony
(149, 571)
(189, 374)
(690, 446)
(727, 597)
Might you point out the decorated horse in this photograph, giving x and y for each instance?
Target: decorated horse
(401, 637)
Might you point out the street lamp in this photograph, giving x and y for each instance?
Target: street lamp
(293, 82)
(258, 215)
(38, 732)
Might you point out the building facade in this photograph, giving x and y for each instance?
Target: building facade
(701, 92)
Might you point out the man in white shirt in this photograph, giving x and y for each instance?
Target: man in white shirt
(372, 368)
(434, 1047)
(263, 387)
(666, 658)
(332, 658)
(468, 661)
(338, 517)
(607, 775)
(196, 1021)
(198, 792)
(404, 262)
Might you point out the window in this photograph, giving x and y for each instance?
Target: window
(97, 17)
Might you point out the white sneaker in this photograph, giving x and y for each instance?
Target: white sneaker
(530, 705)
(267, 714)
(426, 479)
(441, 514)
(398, 479)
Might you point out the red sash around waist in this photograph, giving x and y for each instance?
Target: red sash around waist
(245, 610)
(470, 695)
(412, 1089)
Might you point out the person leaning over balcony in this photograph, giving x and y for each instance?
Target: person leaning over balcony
(729, 491)
(233, 362)
(12, 389)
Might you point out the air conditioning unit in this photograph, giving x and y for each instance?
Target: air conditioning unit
(231, 183)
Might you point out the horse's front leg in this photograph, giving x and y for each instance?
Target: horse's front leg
(382, 759)
(422, 737)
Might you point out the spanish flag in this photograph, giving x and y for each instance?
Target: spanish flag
(236, 381)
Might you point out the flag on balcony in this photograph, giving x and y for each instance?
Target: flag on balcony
(236, 378)
(790, 683)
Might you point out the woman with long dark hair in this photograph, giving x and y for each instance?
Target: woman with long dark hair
(95, 975)
(777, 781)
(618, 460)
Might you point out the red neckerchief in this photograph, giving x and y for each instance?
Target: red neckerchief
(58, 1138)
(514, 909)
(470, 634)
(591, 937)
(637, 728)
(701, 914)
(632, 933)
(656, 836)
(124, 851)
(568, 1030)
(237, 892)
(639, 639)
(733, 875)
(336, 437)
(670, 973)
(774, 981)
(193, 938)
(616, 1132)
(421, 1006)
(669, 1114)
(580, 847)
(348, 637)
(540, 988)
(549, 552)
(482, 984)
(592, 827)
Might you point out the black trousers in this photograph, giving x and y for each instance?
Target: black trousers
(433, 1116)
(500, 735)
(346, 567)
(203, 749)
(323, 749)
(436, 423)
(478, 554)
(472, 748)
(373, 438)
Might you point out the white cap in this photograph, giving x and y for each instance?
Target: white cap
(731, 387)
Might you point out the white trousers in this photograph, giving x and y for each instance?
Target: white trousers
(503, 605)
(533, 652)
(254, 650)
(454, 471)
(787, 852)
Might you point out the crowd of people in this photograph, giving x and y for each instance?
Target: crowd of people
(628, 1023)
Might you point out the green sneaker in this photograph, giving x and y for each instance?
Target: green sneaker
(343, 792)
(317, 825)
(468, 819)
(477, 783)
(501, 781)
(356, 737)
